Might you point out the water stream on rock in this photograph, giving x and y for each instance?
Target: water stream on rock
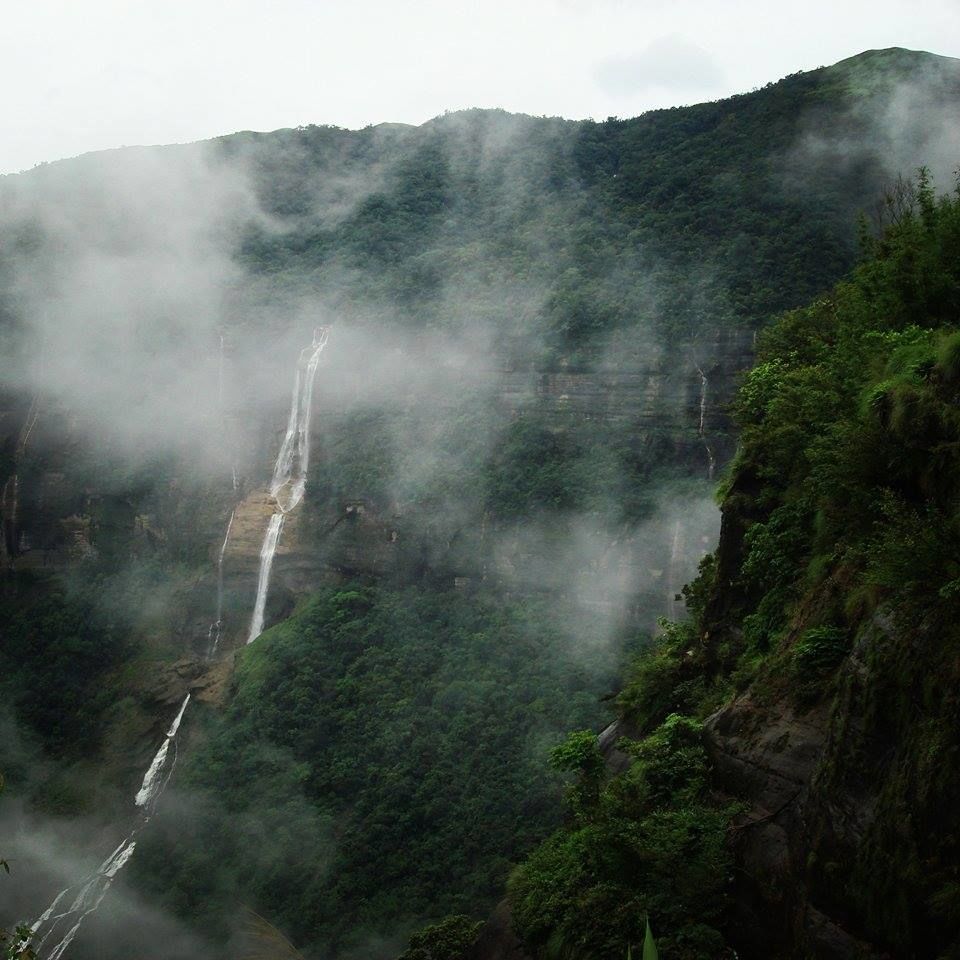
(676, 559)
(94, 888)
(216, 628)
(287, 487)
(290, 471)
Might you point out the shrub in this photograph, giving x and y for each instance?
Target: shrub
(814, 657)
(447, 940)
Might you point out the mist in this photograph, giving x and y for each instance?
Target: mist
(882, 134)
(482, 430)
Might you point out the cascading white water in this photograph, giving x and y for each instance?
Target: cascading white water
(676, 556)
(95, 887)
(151, 786)
(86, 901)
(267, 552)
(290, 471)
(703, 400)
(289, 481)
(287, 487)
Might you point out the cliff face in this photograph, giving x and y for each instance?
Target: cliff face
(57, 523)
(675, 404)
(846, 846)
(53, 518)
(831, 607)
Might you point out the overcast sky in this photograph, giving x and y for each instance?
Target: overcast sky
(82, 75)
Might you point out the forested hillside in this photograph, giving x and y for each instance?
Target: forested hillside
(793, 745)
(536, 328)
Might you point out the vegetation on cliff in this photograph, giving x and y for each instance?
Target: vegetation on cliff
(381, 761)
(840, 507)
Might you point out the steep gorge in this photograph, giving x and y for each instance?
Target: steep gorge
(549, 450)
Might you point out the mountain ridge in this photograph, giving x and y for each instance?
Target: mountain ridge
(903, 57)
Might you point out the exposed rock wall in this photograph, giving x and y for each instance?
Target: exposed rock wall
(848, 842)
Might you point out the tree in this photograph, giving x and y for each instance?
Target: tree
(15, 945)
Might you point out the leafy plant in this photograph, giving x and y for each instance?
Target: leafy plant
(449, 939)
(814, 657)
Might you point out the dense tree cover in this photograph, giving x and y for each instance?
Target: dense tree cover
(650, 843)
(381, 762)
(677, 220)
(447, 940)
(57, 648)
(850, 437)
(849, 432)
(841, 506)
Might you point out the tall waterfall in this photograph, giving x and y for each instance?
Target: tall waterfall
(88, 898)
(289, 481)
(287, 487)
(152, 784)
(267, 552)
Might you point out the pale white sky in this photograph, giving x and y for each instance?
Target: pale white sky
(82, 75)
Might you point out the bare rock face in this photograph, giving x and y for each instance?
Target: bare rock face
(615, 759)
(768, 752)
(205, 680)
(766, 756)
(813, 785)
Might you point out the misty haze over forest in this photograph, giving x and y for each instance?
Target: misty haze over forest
(461, 404)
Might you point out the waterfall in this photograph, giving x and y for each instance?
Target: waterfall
(703, 401)
(151, 786)
(94, 888)
(86, 901)
(711, 460)
(289, 481)
(287, 487)
(216, 628)
(267, 552)
(293, 460)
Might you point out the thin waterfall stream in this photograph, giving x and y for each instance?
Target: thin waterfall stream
(287, 487)
(216, 628)
(711, 460)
